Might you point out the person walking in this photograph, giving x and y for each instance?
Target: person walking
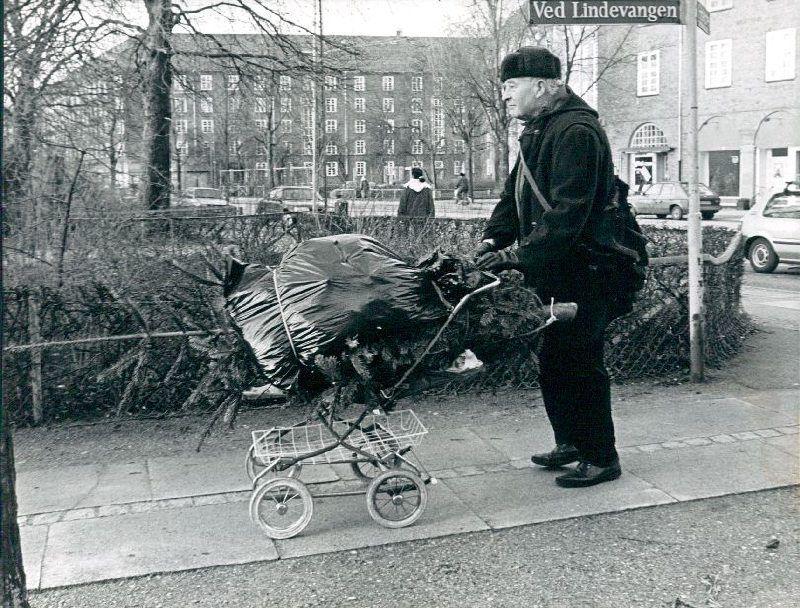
(461, 193)
(551, 204)
(363, 188)
(417, 197)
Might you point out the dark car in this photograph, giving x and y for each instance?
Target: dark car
(672, 199)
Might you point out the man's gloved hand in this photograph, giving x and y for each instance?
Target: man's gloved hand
(484, 247)
(498, 260)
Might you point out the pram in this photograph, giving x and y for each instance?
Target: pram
(377, 445)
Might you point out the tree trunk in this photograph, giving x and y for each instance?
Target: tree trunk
(15, 593)
(470, 170)
(157, 110)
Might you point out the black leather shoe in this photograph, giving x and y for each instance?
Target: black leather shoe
(586, 474)
(562, 454)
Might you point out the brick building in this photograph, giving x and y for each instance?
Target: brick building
(378, 114)
(748, 99)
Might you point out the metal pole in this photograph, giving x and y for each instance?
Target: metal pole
(695, 234)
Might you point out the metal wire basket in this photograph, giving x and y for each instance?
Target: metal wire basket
(376, 434)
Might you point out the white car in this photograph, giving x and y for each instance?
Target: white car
(772, 231)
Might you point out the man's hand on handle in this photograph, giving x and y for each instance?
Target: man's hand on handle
(498, 260)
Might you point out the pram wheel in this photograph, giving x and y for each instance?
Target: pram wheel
(396, 498)
(384, 442)
(281, 507)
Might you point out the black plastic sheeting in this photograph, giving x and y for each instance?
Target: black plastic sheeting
(329, 289)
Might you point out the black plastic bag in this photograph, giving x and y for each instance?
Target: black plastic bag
(324, 291)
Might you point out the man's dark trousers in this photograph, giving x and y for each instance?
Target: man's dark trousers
(574, 381)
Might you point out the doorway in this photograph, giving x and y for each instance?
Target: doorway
(642, 170)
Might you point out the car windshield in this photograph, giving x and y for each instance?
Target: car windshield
(783, 206)
(206, 193)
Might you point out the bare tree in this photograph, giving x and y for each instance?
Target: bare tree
(15, 594)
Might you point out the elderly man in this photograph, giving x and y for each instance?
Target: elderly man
(562, 181)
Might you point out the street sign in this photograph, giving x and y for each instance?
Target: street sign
(605, 11)
(703, 19)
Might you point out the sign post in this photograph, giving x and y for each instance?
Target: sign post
(653, 12)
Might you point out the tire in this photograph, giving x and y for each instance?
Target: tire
(762, 256)
(707, 215)
(282, 507)
(675, 212)
(384, 438)
(396, 499)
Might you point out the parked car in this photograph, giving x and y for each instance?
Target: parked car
(288, 198)
(198, 202)
(771, 230)
(672, 199)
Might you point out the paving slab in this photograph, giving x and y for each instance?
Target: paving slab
(529, 496)
(33, 540)
(788, 443)
(518, 443)
(675, 420)
(715, 470)
(176, 477)
(783, 401)
(343, 523)
(456, 447)
(70, 487)
(86, 551)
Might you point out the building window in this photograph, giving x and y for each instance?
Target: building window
(206, 82)
(647, 73)
(286, 125)
(361, 146)
(285, 84)
(781, 51)
(207, 125)
(359, 83)
(388, 146)
(234, 103)
(332, 169)
(361, 126)
(416, 147)
(718, 5)
(207, 105)
(331, 83)
(234, 146)
(648, 136)
(416, 105)
(438, 164)
(233, 82)
(416, 83)
(359, 104)
(438, 83)
(458, 146)
(286, 105)
(181, 126)
(416, 125)
(387, 83)
(388, 104)
(179, 105)
(360, 169)
(261, 123)
(307, 146)
(287, 146)
(331, 149)
(180, 82)
(182, 147)
(438, 124)
(718, 63)
(259, 84)
(260, 150)
(330, 125)
(262, 166)
(458, 167)
(261, 105)
(330, 104)
(390, 125)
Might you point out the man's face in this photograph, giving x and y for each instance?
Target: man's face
(523, 96)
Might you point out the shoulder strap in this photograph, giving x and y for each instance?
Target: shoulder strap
(532, 182)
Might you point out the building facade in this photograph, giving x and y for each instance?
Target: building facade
(748, 99)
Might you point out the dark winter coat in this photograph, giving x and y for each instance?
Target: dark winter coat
(570, 159)
(416, 200)
(462, 184)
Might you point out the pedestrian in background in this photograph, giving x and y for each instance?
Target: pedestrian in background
(551, 204)
(462, 190)
(364, 188)
(417, 197)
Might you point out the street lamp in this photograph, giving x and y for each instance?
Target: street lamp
(764, 119)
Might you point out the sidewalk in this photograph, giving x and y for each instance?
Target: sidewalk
(135, 516)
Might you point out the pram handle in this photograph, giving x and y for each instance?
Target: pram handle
(562, 311)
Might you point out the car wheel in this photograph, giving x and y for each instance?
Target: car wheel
(675, 212)
(661, 216)
(762, 256)
(707, 215)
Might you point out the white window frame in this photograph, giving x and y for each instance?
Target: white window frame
(780, 55)
(388, 146)
(390, 125)
(234, 146)
(207, 125)
(260, 105)
(180, 105)
(416, 83)
(180, 82)
(718, 5)
(331, 125)
(332, 169)
(234, 104)
(359, 83)
(416, 105)
(261, 123)
(262, 165)
(331, 149)
(360, 126)
(360, 146)
(360, 168)
(417, 147)
(286, 105)
(308, 146)
(648, 73)
(438, 164)
(181, 125)
(207, 105)
(259, 84)
(286, 125)
(331, 83)
(719, 53)
(458, 167)
(331, 105)
(233, 82)
(285, 83)
(458, 146)
(206, 82)
(416, 125)
(360, 104)
(387, 83)
(388, 104)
